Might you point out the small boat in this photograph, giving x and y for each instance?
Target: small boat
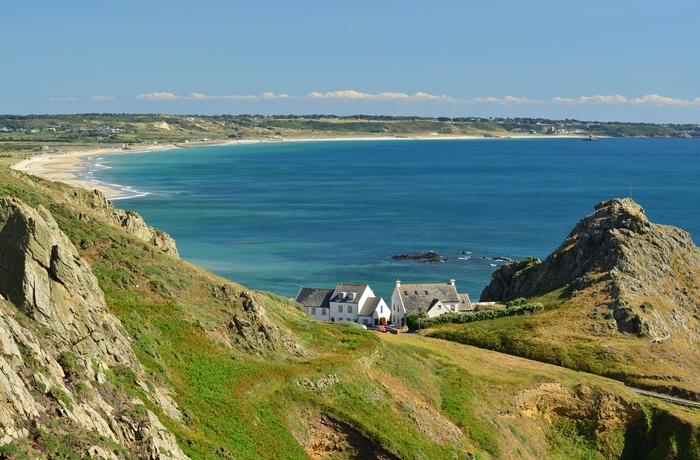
(589, 138)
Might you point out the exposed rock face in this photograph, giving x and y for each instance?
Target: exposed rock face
(54, 362)
(43, 275)
(584, 402)
(250, 329)
(130, 221)
(644, 271)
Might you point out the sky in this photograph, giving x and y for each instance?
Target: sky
(606, 60)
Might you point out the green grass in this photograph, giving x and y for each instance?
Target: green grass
(257, 407)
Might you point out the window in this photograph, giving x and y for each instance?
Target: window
(415, 292)
(324, 312)
(313, 311)
(340, 308)
(426, 292)
(349, 308)
(452, 307)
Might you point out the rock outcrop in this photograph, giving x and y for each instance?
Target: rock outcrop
(130, 221)
(42, 274)
(58, 343)
(645, 272)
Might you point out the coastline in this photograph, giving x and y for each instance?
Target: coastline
(67, 167)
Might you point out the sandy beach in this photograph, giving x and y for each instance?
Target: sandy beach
(66, 167)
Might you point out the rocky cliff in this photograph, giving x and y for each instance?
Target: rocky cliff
(638, 277)
(130, 221)
(59, 347)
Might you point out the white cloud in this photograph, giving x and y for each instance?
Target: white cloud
(64, 99)
(655, 99)
(158, 97)
(385, 96)
(615, 99)
(505, 101)
(388, 96)
(649, 99)
(276, 96)
(102, 98)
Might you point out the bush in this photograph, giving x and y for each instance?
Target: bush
(461, 318)
(412, 320)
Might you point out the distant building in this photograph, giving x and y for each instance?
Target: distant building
(432, 299)
(316, 301)
(347, 302)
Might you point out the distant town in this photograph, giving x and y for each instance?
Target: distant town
(29, 134)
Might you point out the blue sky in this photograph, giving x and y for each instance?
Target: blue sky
(596, 60)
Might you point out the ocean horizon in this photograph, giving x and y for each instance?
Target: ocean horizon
(278, 216)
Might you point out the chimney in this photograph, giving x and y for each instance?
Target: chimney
(398, 283)
(452, 282)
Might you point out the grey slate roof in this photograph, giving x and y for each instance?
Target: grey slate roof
(420, 297)
(465, 303)
(314, 297)
(347, 288)
(370, 306)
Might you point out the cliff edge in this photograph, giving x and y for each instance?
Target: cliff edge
(58, 345)
(638, 277)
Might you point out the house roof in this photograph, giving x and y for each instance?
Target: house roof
(370, 306)
(420, 297)
(344, 290)
(314, 297)
(465, 302)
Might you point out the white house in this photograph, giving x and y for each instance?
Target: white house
(347, 302)
(432, 299)
(316, 301)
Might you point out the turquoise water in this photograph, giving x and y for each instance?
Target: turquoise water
(276, 216)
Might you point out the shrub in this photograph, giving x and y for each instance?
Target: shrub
(461, 318)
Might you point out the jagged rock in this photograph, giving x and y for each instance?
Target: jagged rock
(250, 329)
(618, 251)
(55, 292)
(43, 275)
(128, 220)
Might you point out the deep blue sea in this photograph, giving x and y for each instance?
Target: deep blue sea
(276, 216)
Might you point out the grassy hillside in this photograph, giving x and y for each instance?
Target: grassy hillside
(311, 390)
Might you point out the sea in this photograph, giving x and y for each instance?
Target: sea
(276, 216)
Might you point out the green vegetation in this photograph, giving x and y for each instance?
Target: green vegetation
(408, 397)
(25, 135)
(459, 318)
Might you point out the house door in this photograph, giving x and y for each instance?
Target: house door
(382, 321)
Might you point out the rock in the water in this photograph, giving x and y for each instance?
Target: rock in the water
(430, 256)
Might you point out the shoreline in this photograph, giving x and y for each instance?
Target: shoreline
(67, 167)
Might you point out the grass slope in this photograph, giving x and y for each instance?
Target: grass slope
(351, 393)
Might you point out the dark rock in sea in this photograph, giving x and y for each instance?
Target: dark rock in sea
(429, 257)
